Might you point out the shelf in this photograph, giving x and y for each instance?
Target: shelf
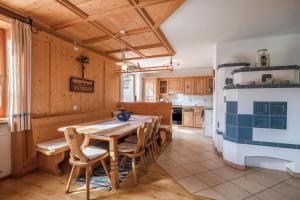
(233, 65)
(262, 86)
(252, 69)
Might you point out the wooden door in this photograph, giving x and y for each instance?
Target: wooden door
(176, 86)
(201, 86)
(188, 117)
(189, 86)
(149, 90)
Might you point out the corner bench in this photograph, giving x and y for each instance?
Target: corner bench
(49, 145)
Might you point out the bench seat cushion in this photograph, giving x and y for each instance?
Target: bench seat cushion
(53, 145)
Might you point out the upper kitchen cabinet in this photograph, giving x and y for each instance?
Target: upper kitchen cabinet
(210, 85)
(188, 86)
(175, 85)
(163, 86)
(150, 89)
(200, 86)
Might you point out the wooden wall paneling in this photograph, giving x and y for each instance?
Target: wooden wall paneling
(112, 85)
(40, 86)
(150, 108)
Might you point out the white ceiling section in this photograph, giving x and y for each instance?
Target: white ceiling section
(198, 24)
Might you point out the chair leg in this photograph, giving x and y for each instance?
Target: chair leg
(70, 178)
(143, 162)
(134, 170)
(123, 161)
(87, 182)
(105, 169)
(150, 152)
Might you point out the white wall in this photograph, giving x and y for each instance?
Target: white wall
(284, 50)
(200, 71)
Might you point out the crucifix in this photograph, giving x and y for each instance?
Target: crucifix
(83, 59)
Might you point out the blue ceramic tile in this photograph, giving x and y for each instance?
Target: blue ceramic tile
(278, 122)
(231, 119)
(231, 131)
(260, 108)
(232, 107)
(270, 144)
(278, 108)
(230, 139)
(245, 133)
(291, 146)
(261, 121)
(245, 120)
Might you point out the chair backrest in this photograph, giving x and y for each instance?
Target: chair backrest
(75, 141)
(157, 124)
(142, 134)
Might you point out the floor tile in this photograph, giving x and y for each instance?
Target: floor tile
(287, 190)
(183, 160)
(263, 179)
(231, 191)
(253, 198)
(248, 185)
(211, 178)
(167, 164)
(295, 182)
(210, 164)
(210, 193)
(178, 172)
(271, 195)
(280, 175)
(228, 173)
(195, 168)
(192, 184)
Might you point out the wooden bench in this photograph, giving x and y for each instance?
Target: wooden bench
(50, 146)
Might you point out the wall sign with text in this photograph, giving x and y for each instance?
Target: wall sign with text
(81, 85)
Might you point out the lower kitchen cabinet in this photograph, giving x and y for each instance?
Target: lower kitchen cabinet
(188, 117)
(198, 120)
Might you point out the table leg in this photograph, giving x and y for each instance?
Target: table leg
(114, 168)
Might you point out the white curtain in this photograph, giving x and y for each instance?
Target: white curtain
(19, 77)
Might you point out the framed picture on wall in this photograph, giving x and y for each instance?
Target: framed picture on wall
(81, 85)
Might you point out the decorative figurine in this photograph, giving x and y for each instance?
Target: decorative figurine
(262, 58)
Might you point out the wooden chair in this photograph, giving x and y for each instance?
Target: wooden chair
(133, 151)
(84, 156)
(156, 134)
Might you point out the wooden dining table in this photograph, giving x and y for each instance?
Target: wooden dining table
(111, 130)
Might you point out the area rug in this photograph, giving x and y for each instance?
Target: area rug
(99, 180)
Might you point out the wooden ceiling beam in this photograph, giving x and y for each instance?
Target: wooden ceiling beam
(154, 56)
(142, 12)
(67, 4)
(169, 13)
(137, 48)
(96, 40)
(105, 13)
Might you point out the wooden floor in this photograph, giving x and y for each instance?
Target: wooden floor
(155, 184)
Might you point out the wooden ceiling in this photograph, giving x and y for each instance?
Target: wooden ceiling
(96, 23)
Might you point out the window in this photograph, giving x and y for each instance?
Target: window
(127, 88)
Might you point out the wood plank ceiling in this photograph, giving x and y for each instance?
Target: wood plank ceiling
(96, 23)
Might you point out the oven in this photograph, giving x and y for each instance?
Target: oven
(177, 115)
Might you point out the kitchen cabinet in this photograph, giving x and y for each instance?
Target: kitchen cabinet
(188, 86)
(163, 86)
(188, 117)
(192, 116)
(175, 86)
(150, 89)
(200, 86)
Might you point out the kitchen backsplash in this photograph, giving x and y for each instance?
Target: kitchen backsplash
(191, 100)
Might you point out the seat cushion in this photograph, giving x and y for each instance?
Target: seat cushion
(132, 139)
(53, 145)
(127, 147)
(92, 152)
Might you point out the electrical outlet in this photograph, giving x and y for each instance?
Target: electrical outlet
(75, 107)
